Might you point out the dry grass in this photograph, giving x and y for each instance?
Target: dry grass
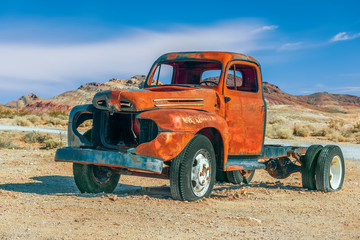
(57, 119)
(48, 141)
(22, 121)
(8, 144)
(337, 127)
(276, 132)
(31, 140)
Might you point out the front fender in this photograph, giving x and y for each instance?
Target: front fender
(177, 128)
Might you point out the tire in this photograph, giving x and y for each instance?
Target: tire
(221, 176)
(330, 169)
(241, 176)
(95, 179)
(309, 166)
(192, 173)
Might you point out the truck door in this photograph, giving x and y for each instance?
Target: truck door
(245, 108)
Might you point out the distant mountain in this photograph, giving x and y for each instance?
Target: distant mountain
(69, 99)
(84, 94)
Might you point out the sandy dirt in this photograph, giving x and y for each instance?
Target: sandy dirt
(39, 200)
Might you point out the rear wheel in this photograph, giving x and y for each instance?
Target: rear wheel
(221, 176)
(95, 179)
(330, 169)
(192, 173)
(309, 165)
(240, 176)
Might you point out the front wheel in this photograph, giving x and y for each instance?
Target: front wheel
(192, 173)
(95, 179)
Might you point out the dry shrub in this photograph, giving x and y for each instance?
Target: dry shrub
(335, 124)
(356, 127)
(336, 137)
(319, 132)
(22, 121)
(302, 130)
(51, 144)
(8, 138)
(6, 112)
(59, 114)
(278, 132)
(34, 119)
(87, 123)
(36, 137)
(357, 137)
(8, 143)
(55, 119)
(49, 141)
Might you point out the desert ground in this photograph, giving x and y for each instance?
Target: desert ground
(39, 200)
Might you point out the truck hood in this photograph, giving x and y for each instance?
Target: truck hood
(160, 97)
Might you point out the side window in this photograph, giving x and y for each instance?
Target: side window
(234, 78)
(210, 77)
(242, 78)
(163, 74)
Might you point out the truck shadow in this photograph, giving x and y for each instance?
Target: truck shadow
(267, 185)
(64, 185)
(44, 185)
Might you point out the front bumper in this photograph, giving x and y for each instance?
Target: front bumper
(109, 158)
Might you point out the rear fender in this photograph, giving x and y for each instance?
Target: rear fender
(177, 128)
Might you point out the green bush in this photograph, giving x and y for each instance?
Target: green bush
(51, 144)
(36, 137)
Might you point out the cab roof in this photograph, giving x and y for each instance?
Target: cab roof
(208, 55)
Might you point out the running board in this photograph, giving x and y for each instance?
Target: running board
(233, 164)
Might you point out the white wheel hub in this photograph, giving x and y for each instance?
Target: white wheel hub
(200, 173)
(335, 172)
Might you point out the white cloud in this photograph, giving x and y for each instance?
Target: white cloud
(123, 56)
(355, 90)
(344, 36)
(291, 46)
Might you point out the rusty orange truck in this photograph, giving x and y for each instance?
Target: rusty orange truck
(200, 117)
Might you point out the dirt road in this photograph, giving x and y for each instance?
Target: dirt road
(39, 200)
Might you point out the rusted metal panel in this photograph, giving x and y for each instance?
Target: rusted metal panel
(276, 151)
(163, 175)
(243, 163)
(129, 100)
(220, 56)
(109, 158)
(245, 115)
(177, 128)
(167, 145)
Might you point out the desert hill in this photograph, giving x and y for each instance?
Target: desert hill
(274, 95)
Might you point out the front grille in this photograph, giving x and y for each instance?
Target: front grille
(148, 130)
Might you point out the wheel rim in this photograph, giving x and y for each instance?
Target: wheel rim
(101, 174)
(245, 174)
(200, 173)
(335, 172)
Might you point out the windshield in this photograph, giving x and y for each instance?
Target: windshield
(187, 73)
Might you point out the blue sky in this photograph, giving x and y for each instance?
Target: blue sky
(48, 47)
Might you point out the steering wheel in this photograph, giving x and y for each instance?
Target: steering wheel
(208, 81)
